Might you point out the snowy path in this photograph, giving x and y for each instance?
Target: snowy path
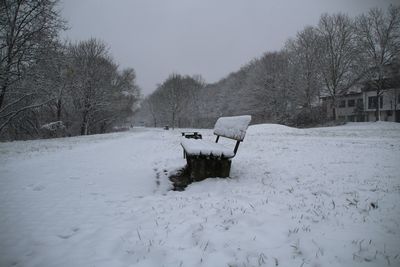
(55, 190)
(312, 197)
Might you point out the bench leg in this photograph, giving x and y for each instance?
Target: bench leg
(201, 168)
(225, 168)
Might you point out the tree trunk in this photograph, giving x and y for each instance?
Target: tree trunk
(378, 106)
(334, 113)
(7, 69)
(173, 120)
(4, 86)
(59, 107)
(84, 124)
(2, 95)
(83, 128)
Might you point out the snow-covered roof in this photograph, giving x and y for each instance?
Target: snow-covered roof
(354, 90)
(232, 127)
(365, 86)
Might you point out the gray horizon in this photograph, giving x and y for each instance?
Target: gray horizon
(207, 38)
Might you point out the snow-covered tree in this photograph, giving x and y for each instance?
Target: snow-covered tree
(99, 92)
(26, 28)
(304, 52)
(378, 39)
(338, 61)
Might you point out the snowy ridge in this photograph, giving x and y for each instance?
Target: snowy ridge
(296, 197)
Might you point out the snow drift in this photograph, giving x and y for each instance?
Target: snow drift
(310, 197)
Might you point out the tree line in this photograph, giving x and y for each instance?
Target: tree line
(286, 86)
(51, 88)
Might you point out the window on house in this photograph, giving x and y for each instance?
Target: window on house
(351, 103)
(372, 102)
(351, 118)
(360, 118)
(360, 104)
(342, 104)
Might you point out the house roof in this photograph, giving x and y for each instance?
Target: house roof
(354, 90)
(388, 83)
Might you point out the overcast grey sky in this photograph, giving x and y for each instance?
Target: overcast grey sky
(207, 37)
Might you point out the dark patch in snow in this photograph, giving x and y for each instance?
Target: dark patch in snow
(36, 187)
(67, 236)
(64, 236)
(180, 179)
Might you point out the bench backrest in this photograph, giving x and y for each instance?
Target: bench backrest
(232, 127)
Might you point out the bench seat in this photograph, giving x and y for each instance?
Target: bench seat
(197, 147)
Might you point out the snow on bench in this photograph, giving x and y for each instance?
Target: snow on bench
(232, 127)
(201, 147)
(229, 127)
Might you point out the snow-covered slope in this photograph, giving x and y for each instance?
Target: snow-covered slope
(296, 197)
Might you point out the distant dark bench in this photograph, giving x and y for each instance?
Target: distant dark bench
(194, 135)
(212, 159)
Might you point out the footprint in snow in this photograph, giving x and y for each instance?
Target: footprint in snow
(34, 187)
(70, 234)
(39, 188)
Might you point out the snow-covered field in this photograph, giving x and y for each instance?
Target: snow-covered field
(296, 197)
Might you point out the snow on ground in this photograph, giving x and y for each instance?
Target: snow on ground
(296, 197)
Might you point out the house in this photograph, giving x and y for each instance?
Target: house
(359, 103)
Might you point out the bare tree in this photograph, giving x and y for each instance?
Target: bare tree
(273, 87)
(25, 27)
(337, 64)
(45, 82)
(304, 53)
(378, 37)
(175, 102)
(100, 95)
(93, 75)
(125, 97)
(175, 94)
(282, 86)
(194, 85)
(152, 105)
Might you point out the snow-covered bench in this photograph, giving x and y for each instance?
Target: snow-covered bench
(212, 159)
